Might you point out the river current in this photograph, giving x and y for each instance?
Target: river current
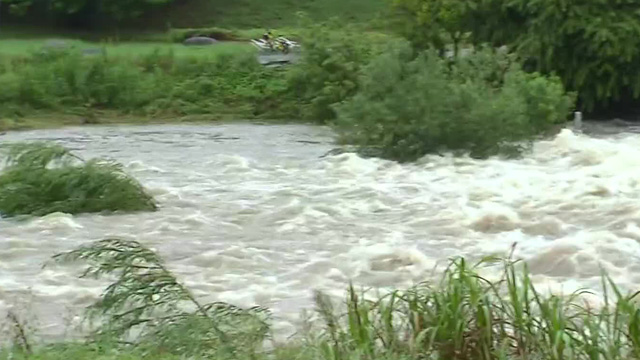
(254, 215)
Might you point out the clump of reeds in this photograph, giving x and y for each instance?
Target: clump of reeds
(41, 178)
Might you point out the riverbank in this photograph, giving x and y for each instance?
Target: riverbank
(75, 82)
(103, 118)
(154, 83)
(54, 121)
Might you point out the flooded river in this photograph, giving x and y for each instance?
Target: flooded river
(251, 214)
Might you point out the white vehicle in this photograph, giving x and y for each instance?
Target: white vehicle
(277, 52)
(280, 44)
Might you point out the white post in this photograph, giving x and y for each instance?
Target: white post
(577, 121)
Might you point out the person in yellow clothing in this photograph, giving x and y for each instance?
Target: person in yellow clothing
(268, 38)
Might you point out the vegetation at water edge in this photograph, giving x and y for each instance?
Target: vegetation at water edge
(463, 316)
(410, 105)
(164, 83)
(378, 94)
(42, 178)
(152, 84)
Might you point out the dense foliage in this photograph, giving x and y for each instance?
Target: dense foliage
(433, 23)
(117, 9)
(483, 104)
(590, 45)
(157, 83)
(463, 316)
(330, 69)
(41, 178)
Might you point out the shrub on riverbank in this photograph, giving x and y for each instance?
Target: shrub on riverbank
(463, 316)
(40, 179)
(329, 71)
(483, 104)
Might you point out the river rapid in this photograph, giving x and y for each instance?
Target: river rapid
(254, 215)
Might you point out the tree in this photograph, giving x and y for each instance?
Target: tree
(591, 44)
(434, 23)
(116, 9)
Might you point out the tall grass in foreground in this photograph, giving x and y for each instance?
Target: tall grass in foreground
(463, 316)
(42, 178)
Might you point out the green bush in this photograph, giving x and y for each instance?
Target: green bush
(329, 71)
(483, 104)
(40, 179)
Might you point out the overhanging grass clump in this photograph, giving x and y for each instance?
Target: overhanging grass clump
(41, 178)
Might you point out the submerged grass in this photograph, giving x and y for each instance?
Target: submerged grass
(463, 316)
(41, 178)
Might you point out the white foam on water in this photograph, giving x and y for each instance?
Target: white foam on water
(264, 220)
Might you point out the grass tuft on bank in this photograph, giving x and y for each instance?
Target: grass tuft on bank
(41, 178)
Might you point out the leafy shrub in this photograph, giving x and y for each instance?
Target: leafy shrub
(483, 104)
(432, 24)
(329, 71)
(41, 178)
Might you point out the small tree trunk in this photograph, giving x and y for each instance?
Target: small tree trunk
(456, 45)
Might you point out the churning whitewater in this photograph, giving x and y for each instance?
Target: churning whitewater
(254, 214)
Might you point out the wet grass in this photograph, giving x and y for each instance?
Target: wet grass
(464, 316)
(42, 178)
